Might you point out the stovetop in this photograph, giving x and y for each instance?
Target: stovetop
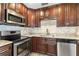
(14, 38)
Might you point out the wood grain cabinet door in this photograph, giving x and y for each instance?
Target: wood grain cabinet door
(60, 15)
(25, 15)
(70, 14)
(47, 11)
(53, 11)
(41, 46)
(42, 14)
(12, 6)
(19, 8)
(31, 18)
(34, 44)
(77, 14)
(0, 11)
(37, 21)
(51, 46)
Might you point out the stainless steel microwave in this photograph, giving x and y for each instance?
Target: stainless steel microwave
(14, 17)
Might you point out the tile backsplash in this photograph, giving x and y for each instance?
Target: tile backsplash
(41, 30)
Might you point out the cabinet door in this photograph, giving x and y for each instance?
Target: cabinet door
(12, 6)
(53, 11)
(41, 46)
(19, 8)
(31, 18)
(25, 15)
(0, 11)
(78, 14)
(34, 44)
(37, 16)
(47, 10)
(42, 13)
(51, 46)
(60, 15)
(77, 49)
(70, 14)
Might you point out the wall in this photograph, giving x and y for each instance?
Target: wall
(41, 30)
(52, 28)
(12, 28)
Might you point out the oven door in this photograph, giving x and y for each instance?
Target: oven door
(22, 48)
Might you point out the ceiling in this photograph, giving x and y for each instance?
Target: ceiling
(38, 5)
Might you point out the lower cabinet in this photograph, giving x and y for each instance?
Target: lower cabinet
(44, 45)
(6, 50)
(51, 46)
(77, 49)
(41, 45)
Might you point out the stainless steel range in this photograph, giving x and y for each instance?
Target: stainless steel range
(21, 44)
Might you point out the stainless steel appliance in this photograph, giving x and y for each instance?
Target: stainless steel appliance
(21, 44)
(66, 47)
(13, 17)
(22, 48)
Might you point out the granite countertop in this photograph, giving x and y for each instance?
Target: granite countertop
(4, 42)
(56, 35)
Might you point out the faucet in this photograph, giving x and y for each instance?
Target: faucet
(47, 32)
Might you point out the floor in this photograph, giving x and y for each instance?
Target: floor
(37, 54)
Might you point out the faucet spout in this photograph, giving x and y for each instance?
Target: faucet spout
(47, 32)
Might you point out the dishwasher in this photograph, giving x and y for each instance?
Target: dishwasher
(66, 47)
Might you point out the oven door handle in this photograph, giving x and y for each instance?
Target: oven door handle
(18, 43)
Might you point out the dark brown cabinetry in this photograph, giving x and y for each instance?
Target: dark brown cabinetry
(44, 45)
(2, 12)
(77, 14)
(53, 11)
(77, 49)
(67, 14)
(61, 15)
(51, 46)
(34, 44)
(20, 8)
(12, 6)
(70, 14)
(41, 45)
(42, 14)
(37, 17)
(6, 50)
(31, 18)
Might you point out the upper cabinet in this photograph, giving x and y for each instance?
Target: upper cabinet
(67, 14)
(70, 14)
(0, 11)
(12, 6)
(31, 18)
(77, 14)
(47, 13)
(41, 14)
(19, 8)
(61, 15)
(53, 11)
(37, 16)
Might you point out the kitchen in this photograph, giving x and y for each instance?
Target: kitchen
(39, 29)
